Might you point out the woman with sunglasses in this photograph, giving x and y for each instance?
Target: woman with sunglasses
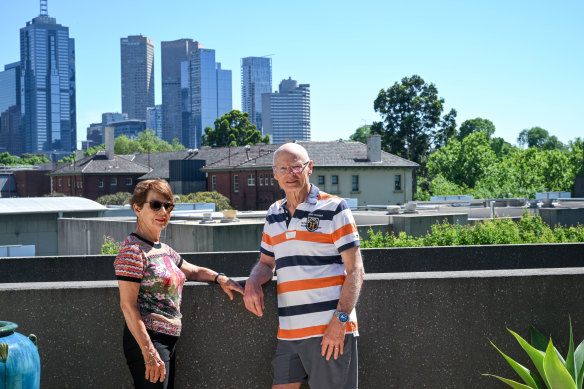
(150, 279)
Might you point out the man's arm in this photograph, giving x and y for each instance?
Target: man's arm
(261, 273)
(334, 334)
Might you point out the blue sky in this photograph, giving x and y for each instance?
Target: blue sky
(517, 63)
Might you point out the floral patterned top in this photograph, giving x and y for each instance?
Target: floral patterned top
(157, 268)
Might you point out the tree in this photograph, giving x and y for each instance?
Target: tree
(25, 159)
(233, 129)
(539, 138)
(501, 147)
(221, 202)
(119, 198)
(360, 134)
(410, 111)
(476, 125)
(447, 129)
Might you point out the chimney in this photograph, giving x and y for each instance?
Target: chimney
(374, 148)
(109, 143)
(78, 154)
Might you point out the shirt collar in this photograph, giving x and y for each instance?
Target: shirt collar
(311, 199)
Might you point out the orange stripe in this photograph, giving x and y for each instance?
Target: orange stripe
(267, 239)
(313, 237)
(315, 283)
(344, 230)
(311, 331)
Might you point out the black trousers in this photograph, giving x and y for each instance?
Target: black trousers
(164, 344)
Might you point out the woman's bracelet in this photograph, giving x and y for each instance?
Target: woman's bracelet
(217, 277)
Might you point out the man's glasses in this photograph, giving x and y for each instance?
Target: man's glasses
(290, 169)
(155, 205)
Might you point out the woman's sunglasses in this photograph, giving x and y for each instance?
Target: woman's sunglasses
(155, 205)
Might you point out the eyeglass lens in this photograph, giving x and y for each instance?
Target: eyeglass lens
(155, 205)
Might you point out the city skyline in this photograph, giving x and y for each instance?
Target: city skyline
(516, 64)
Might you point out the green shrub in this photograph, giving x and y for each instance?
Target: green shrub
(221, 202)
(529, 229)
(110, 246)
(119, 198)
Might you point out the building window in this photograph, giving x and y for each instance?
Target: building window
(236, 183)
(398, 182)
(355, 183)
(128, 181)
(320, 180)
(60, 181)
(213, 183)
(79, 184)
(335, 180)
(68, 182)
(261, 179)
(100, 182)
(272, 179)
(251, 180)
(114, 181)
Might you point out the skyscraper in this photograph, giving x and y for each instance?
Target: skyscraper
(209, 94)
(154, 120)
(256, 79)
(286, 113)
(11, 136)
(173, 53)
(137, 59)
(47, 63)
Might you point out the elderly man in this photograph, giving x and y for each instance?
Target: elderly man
(311, 240)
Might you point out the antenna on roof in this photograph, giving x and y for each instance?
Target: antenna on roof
(44, 8)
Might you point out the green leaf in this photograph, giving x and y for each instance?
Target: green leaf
(579, 363)
(538, 340)
(522, 371)
(537, 356)
(570, 366)
(556, 373)
(513, 384)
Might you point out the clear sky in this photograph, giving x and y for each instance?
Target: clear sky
(518, 63)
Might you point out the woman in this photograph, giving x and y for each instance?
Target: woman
(150, 278)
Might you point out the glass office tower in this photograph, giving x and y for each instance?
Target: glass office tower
(47, 62)
(11, 136)
(256, 79)
(137, 59)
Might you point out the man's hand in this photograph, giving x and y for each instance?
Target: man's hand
(254, 297)
(334, 339)
(228, 286)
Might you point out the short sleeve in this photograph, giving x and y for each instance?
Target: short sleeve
(345, 234)
(129, 264)
(266, 246)
(176, 258)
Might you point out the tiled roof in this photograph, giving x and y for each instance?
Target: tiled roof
(324, 154)
(158, 162)
(99, 164)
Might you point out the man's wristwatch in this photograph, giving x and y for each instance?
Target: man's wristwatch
(342, 316)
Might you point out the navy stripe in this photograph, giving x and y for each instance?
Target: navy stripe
(275, 218)
(307, 260)
(131, 279)
(349, 245)
(180, 263)
(319, 213)
(342, 206)
(268, 253)
(308, 308)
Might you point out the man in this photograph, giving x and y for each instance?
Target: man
(311, 240)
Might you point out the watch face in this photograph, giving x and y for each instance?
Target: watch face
(343, 317)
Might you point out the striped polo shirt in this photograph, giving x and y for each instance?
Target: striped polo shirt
(309, 267)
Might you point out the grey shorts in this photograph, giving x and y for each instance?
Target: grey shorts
(300, 361)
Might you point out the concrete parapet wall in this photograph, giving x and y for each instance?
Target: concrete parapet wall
(417, 329)
(387, 260)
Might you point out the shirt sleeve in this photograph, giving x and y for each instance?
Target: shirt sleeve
(176, 258)
(266, 246)
(129, 264)
(345, 234)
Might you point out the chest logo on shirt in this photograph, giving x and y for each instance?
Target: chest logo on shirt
(312, 224)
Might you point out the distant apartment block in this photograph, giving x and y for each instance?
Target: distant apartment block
(256, 79)
(173, 54)
(47, 65)
(137, 65)
(208, 94)
(154, 119)
(95, 131)
(286, 113)
(130, 128)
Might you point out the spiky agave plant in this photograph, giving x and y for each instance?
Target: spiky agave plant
(555, 371)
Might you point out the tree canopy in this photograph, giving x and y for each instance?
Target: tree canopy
(25, 159)
(539, 138)
(411, 113)
(361, 133)
(221, 202)
(476, 125)
(233, 129)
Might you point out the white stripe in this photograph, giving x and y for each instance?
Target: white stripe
(309, 296)
(297, 247)
(305, 320)
(296, 273)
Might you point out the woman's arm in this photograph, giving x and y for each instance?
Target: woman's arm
(155, 369)
(203, 274)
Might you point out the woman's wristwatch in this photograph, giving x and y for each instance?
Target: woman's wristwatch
(217, 277)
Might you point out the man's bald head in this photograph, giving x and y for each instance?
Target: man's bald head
(293, 149)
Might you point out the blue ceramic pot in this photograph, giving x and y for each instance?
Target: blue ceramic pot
(20, 365)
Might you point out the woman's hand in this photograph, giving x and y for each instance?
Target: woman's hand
(228, 286)
(155, 368)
